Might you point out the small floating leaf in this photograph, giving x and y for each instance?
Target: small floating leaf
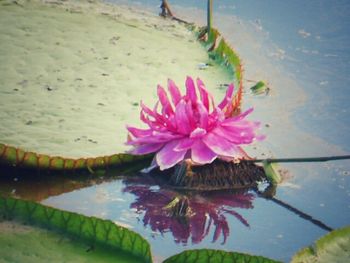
(272, 172)
(259, 88)
(202, 66)
(333, 247)
(215, 256)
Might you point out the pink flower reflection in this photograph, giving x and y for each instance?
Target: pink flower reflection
(200, 211)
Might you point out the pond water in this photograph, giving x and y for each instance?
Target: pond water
(302, 50)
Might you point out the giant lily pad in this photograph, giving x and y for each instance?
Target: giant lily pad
(217, 256)
(73, 72)
(20, 243)
(42, 233)
(333, 247)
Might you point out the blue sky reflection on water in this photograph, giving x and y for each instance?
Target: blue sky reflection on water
(309, 43)
(277, 234)
(241, 221)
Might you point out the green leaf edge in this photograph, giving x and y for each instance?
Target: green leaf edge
(215, 256)
(272, 173)
(89, 229)
(310, 253)
(259, 88)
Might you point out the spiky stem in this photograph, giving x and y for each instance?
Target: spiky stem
(269, 194)
(301, 159)
(209, 17)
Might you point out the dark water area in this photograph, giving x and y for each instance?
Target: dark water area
(302, 209)
(235, 221)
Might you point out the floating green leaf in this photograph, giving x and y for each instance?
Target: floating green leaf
(21, 243)
(272, 172)
(215, 256)
(88, 230)
(333, 247)
(259, 88)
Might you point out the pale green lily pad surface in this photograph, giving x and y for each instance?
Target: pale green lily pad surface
(21, 243)
(73, 73)
(333, 247)
(32, 232)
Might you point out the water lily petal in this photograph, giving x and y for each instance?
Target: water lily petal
(167, 111)
(136, 132)
(147, 110)
(214, 118)
(191, 114)
(155, 137)
(158, 121)
(184, 144)
(171, 123)
(245, 130)
(156, 116)
(167, 157)
(154, 125)
(182, 119)
(238, 118)
(220, 145)
(174, 92)
(164, 100)
(241, 126)
(191, 90)
(236, 136)
(146, 119)
(163, 97)
(155, 108)
(203, 93)
(146, 148)
(167, 119)
(202, 154)
(203, 115)
(228, 97)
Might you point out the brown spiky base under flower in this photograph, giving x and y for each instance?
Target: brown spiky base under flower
(218, 175)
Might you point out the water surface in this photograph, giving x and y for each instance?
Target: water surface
(302, 50)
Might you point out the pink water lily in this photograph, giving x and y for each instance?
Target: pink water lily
(192, 127)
